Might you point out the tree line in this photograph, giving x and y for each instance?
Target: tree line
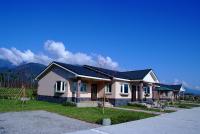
(10, 79)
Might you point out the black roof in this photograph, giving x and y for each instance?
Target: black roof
(81, 70)
(111, 73)
(137, 74)
(172, 87)
(130, 75)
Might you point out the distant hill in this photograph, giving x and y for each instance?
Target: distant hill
(29, 70)
(4, 65)
(15, 75)
(192, 91)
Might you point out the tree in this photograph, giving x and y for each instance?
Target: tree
(1, 79)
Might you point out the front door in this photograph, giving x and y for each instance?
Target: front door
(133, 96)
(94, 92)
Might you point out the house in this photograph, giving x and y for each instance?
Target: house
(60, 82)
(169, 92)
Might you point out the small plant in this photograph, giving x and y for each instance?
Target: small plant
(69, 103)
(137, 105)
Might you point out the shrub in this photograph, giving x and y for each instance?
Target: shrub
(137, 105)
(69, 103)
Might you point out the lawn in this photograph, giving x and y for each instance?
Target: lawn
(184, 105)
(15, 92)
(92, 115)
(139, 107)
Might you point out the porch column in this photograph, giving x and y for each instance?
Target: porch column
(140, 93)
(153, 92)
(78, 90)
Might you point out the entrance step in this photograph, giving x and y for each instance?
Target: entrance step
(87, 104)
(107, 104)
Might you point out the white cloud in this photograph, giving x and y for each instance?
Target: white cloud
(55, 51)
(106, 62)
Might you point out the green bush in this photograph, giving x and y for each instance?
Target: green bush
(137, 105)
(69, 103)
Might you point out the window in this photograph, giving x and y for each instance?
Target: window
(74, 86)
(108, 88)
(146, 90)
(124, 88)
(83, 87)
(60, 86)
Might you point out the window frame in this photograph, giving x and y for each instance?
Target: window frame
(75, 86)
(86, 87)
(62, 87)
(146, 90)
(108, 88)
(123, 88)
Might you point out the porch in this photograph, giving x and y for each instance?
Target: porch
(142, 91)
(89, 92)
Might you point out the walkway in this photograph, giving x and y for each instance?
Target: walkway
(180, 122)
(138, 110)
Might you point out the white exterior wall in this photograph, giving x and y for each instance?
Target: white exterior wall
(151, 93)
(118, 94)
(47, 83)
(148, 78)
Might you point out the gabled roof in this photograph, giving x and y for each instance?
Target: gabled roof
(129, 75)
(111, 73)
(137, 74)
(165, 87)
(77, 70)
(99, 73)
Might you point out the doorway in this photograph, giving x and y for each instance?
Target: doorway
(133, 96)
(94, 92)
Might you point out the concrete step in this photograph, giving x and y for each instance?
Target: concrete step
(107, 104)
(87, 104)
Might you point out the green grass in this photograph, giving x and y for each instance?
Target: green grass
(141, 107)
(14, 92)
(184, 105)
(93, 115)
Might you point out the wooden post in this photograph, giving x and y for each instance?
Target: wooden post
(78, 91)
(104, 97)
(141, 91)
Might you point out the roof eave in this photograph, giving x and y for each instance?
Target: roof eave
(76, 75)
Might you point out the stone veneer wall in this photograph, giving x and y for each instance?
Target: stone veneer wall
(57, 99)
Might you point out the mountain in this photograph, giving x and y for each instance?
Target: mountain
(29, 70)
(4, 65)
(192, 91)
(25, 73)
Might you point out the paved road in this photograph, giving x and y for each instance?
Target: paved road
(181, 122)
(39, 122)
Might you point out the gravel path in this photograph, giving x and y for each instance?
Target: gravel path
(40, 122)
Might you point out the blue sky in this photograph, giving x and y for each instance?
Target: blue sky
(163, 35)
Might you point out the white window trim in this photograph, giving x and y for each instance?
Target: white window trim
(107, 88)
(63, 83)
(122, 92)
(86, 87)
(145, 88)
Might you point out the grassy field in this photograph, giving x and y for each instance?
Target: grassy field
(14, 92)
(184, 105)
(93, 115)
(139, 107)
